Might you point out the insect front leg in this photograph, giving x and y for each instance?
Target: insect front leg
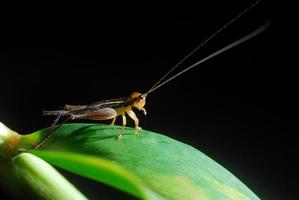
(133, 116)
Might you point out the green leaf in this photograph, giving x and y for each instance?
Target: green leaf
(149, 161)
(101, 170)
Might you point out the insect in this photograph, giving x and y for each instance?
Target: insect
(112, 108)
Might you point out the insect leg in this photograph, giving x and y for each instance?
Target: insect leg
(51, 131)
(133, 116)
(56, 120)
(113, 121)
(123, 126)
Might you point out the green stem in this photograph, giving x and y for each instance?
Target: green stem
(26, 176)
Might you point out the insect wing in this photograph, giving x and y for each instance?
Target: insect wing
(98, 106)
(107, 103)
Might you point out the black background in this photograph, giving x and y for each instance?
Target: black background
(237, 108)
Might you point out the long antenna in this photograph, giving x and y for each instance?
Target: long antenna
(202, 44)
(236, 43)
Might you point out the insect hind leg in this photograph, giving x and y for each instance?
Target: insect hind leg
(57, 120)
(70, 117)
(51, 130)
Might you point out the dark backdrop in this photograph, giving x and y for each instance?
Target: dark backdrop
(236, 108)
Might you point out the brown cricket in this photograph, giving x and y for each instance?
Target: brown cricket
(112, 108)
